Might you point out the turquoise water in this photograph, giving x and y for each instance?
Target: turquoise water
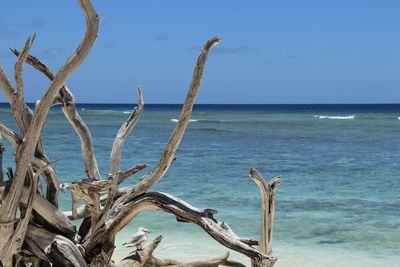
(339, 200)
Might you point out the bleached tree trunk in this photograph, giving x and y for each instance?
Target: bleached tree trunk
(34, 232)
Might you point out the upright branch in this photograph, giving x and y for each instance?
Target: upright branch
(19, 107)
(2, 150)
(152, 177)
(6, 85)
(268, 191)
(123, 133)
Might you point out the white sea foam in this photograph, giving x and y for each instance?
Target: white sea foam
(176, 120)
(351, 117)
(82, 109)
(398, 118)
(127, 112)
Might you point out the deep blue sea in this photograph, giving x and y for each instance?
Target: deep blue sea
(339, 200)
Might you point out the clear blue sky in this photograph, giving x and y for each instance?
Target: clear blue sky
(272, 51)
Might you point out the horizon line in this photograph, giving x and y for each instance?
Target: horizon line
(221, 104)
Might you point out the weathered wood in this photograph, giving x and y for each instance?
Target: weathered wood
(58, 250)
(19, 107)
(214, 262)
(2, 150)
(44, 236)
(88, 190)
(142, 257)
(123, 132)
(6, 85)
(15, 242)
(145, 257)
(25, 153)
(83, 211)
(67, 101)
(185, 212)
(131, 171)
(267, 209)
(156, 174)
(49, 215)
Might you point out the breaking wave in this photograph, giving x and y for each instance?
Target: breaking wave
(351, 117)
(176, 120)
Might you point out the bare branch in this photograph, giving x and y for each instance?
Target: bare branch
(2, 150)
(267, 209)
(11, 136)
(17, 238)
(67, 101)
(6, 86)
(126, 174)
(18, 68)
(151, 178)
(123, 133)
(50, 177)
(20, 110)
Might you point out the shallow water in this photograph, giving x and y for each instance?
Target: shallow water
(339, 200)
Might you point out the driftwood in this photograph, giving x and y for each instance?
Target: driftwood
(145, 257)
(34, 232)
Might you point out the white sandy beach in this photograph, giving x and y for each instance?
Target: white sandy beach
(185, 247)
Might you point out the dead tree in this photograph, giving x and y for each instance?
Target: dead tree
(35, 233)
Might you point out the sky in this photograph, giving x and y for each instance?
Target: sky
(272, 52)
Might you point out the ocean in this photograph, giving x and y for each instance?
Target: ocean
(339, 199)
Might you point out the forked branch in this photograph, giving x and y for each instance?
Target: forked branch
(268, 191)
(67, 101)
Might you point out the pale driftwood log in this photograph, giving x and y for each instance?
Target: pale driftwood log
(268, 191)
(145, 257)
(213, 262)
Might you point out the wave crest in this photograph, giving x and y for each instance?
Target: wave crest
(176, 120)
(350, 117)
